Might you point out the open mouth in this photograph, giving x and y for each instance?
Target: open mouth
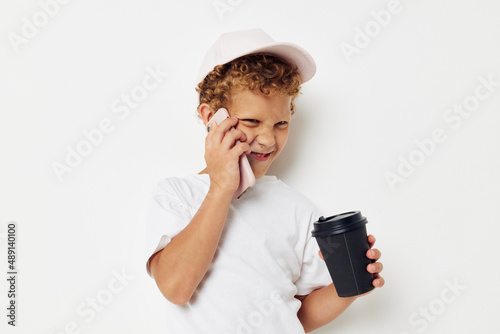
(260, 156)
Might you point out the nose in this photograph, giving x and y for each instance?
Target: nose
(265, 137)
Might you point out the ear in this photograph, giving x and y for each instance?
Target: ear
(206, 112)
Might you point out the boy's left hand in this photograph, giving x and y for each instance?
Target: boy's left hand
(376, 267)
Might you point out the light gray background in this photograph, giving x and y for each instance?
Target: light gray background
(355, 120)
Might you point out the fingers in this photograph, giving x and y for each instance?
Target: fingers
(373, 254)
(225, 134)
(233, 138)
(375, 268)
(241, 148)
(378, 282)
(218, 130)
(223, 147)
(371, 240)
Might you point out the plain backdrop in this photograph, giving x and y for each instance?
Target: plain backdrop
(401, 122)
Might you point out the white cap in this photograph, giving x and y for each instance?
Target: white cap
(235, 44)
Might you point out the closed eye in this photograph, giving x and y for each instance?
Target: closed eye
(248, 120)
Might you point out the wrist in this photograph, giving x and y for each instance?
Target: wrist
(220, 194)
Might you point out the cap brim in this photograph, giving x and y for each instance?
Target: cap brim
(288, 52)
(292, 54)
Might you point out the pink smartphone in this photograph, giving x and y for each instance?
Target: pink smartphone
(247, 179)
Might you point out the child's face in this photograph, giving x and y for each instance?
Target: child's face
(265, 120)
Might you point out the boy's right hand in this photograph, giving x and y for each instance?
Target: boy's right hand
(222, 154)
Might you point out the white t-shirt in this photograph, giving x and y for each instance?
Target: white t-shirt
(265, 257)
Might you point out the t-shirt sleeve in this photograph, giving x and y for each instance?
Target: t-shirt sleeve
(166, 217)
(314, 273)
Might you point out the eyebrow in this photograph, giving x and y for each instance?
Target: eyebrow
(245, 116)
(255, 119)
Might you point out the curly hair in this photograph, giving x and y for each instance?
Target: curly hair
(257, 72)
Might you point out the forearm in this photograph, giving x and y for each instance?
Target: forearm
(182, 264)
(321, 307)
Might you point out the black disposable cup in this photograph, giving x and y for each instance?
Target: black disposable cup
(343, 242)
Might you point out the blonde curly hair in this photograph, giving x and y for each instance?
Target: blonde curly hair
(257, 72)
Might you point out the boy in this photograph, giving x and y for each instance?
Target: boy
(245, 265)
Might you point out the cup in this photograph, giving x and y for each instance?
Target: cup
(343, 242)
